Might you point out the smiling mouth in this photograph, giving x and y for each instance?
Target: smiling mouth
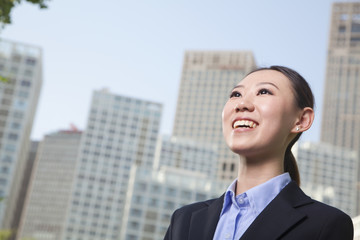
(244, 124)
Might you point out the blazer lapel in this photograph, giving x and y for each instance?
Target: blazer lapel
(280, 215)
(203, 222)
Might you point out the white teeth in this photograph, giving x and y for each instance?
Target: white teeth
(244, 123)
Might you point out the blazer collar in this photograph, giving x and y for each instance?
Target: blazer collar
(280, 215)
(204, 221)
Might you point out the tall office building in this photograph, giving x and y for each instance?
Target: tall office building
(329, 174)
(50, 186)
(34, 145)
(206, 81)
(121, 131)
(187, 155)
(21, 68)
(184, 172)
(341, 108)
(153, 195)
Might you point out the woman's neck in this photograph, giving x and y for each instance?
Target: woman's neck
(252, 173)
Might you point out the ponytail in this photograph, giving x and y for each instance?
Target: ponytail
(290, 164)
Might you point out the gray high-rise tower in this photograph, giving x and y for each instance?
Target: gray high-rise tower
(341, 109)
(206, 81)
(21, 72)
(121, 131)
(45, 207)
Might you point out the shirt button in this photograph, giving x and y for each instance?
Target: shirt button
(228, 236)
(241, 200)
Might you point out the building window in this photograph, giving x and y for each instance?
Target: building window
(2, 182)
(151, 215)
(200, 197)
(355, 27)
(31, 61)
(342, 29)
(136, 212)
(149, 228)
(343, 17)
(25, 83)
(13, 136)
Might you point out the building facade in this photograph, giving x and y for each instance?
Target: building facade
(21, 74)
(187, 155)
(341, 110)
(341, 105)
(34, 146)
(329, 174)
(153, 195)
(120, 132)
(206, 81)
(50, 187)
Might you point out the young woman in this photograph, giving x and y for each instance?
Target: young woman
(263, 118)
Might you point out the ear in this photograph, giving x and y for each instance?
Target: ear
(305, 120)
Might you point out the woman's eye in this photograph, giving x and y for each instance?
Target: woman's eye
(235, 94)
(264, 91)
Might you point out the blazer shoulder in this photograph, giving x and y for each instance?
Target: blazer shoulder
(330, 222)
(180, 221)
(325, 210)
(319, 210)
(336, 223)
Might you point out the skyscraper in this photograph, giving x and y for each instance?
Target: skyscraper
(50, 187)
(206, 81)
(121, 131)
(329, 174)
(153, 195)
(341, 109)
(21, 68)
(187, 155)
(34, 145)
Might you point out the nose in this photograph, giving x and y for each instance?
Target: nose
(244, 105)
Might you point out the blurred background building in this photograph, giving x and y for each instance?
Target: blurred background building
(187, 155)
(153, 195)
(341, 106)
(21, 73)
(121, 131)
(50, 187)
(341, 110)
(329, 174)
(25, 187)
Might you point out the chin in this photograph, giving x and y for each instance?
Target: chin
(240, 150)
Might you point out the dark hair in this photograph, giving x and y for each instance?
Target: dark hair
(303, 98)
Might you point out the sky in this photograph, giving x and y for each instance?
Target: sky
(136, 48)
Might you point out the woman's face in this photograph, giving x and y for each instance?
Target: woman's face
(260, 115)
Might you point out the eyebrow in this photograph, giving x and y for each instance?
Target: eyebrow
(259, 84)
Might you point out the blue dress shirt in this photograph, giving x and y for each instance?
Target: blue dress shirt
(240, 211)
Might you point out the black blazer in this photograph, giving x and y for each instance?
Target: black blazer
(290, 215)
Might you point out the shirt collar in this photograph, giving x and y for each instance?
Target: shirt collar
(259, 196)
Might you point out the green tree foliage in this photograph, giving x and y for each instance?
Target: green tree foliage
(6, 7)
(3, 79)
(5, 234)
